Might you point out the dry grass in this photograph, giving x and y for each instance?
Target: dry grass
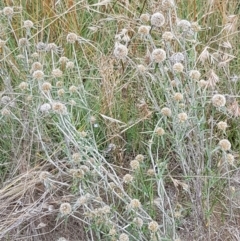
(131, 139)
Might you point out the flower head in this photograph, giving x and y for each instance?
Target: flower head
(134, 164)
(222, 125)
(166, 111)
(158, 55)
(218, 100)
(225, 144)
(135, 203)
(59, 108)
(167, 36)
(194, 74)
(184, 25)
(182, 117)
(8, 11)
(65, 209)
(38, 75)
(123, 237)
(23, 85)
(46, 86)
(144, 17)
(178, 67)
(138, 221)
(144, 30)
(28, 24)
(153, 226)
(72, 38)
(160, 131)
(139, 157)
(120, 51)
(45, 108)
(157, 19)
(127, 178)
(57, 73)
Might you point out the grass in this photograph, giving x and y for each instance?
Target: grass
(118, 141)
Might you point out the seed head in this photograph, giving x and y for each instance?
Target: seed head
(35, 55)
(222, 125)
(72, 102)
(73, 89)
(5, 111)
(135, 203)
(52, 47)
(184, 25)
(218, 100)
(178, 68)
(46, 86)
(76, 157)
(59, 108)
(63, 60)
(153, 226)
(2, 43)
(61, 92)
(141, 68)
(151, 172)
(134, 164)
(44, 175)
(45, 108)
(36, 66)
(166, 111)
(203, 83)
(72, 38)
(158, 55)
(57, 73)
(65, 209)
(120, 51)
(28, 24)
(23, 85)
(194, 74)
(195, 26)
(144, 30)
(23, 42)
(177, 57)
(123, 237)
(167, 36)
(160, 131)
(182, 117)
(144, 17)
(178, 96)
(59, 84)
(70, 65)
(112, 232)
(38, 74)
(230, 159)
(225, 144)
(138, 221)
(41, 47)
(139, 157)
(127, 178)
(8, 11)
(157, 19)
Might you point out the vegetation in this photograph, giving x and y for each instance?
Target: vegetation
(119, 120)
